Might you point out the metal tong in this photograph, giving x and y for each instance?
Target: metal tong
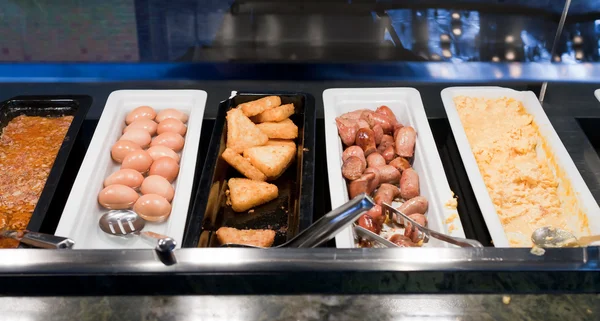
(327, 226)
(423, 233)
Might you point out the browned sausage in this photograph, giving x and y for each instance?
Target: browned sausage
(353, 168)
(378, 133)
(415, 205)
(409, 184)
(365, 139)
(397, 128)
(386, 141)
(388, 154)
(408, 231)
(405, 141)
(375, 180)
(401, 240)
(385, 110)
(354, 151)
(353, 115)
(363, 124)
(378, 119)
(347, 130)
(388, 174)
(400, 163)
(362, 185)
(386, 194)
(375, 160)
(376, 213)
(366, 221)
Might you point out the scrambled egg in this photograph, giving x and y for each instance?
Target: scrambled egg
(522, 185)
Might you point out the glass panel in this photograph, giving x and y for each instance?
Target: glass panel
(322, 31)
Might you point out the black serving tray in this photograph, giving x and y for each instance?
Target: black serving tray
(289, 214)
(48, 106)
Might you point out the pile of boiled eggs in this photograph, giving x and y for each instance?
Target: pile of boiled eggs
(148, 154)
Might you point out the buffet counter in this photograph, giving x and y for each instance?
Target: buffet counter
(324, 269)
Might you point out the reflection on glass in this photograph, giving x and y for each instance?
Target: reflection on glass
(252, 30)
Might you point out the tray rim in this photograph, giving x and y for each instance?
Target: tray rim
(193, 228)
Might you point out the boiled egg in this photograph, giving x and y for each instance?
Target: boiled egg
(138, 160)
(156, 184)
(165, 167)
(152, 208)
(172, 140)
(117, 197)
(172, 125)
(159, 151)
(146, 124)
(121, 148)
(128, 177)
(142, 112)
(138, 136)
(172, 113)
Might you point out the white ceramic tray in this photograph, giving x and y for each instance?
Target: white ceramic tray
(79, 219)
(597, 94)
(564, 161)
(407, 105)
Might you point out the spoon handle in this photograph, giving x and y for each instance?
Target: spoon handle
(163, 242)
(332, 223)
(46, 241)
(587, 240)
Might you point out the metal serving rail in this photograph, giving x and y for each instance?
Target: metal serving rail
(321, 270)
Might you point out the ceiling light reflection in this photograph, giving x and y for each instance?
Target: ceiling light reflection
(495, 59)
(509, 39)
(510, 55)
(457, 31)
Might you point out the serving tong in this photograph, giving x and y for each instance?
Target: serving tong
(399, 218)
(325, 228)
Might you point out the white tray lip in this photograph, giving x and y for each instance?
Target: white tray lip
(345, 239)
(561, 154)
(597, 94)
(70, 212)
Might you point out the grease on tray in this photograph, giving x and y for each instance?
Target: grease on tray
(261, 149)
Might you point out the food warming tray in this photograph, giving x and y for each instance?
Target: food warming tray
(290, 213)
(407, 105)
(564, 161)
(82, 211)
(49, 106)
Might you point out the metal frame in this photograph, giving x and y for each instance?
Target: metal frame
(23, 262)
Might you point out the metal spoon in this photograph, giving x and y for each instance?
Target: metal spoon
(126, 222)
(327, 226)
(424, 233)
(555, 237)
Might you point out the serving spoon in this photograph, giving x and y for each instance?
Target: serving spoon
(127, 222)
(556, 237)
(325, 228)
